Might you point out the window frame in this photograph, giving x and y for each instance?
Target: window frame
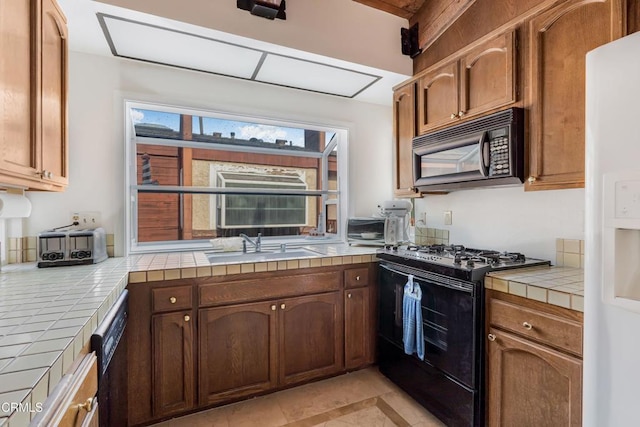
(338, 197)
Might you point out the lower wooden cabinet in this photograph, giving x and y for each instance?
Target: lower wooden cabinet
(73, 402)
(237, 351)
(534, 367)
(197, 343)
(173, 373)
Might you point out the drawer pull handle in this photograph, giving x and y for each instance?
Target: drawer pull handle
(173, 300)
(348, 295)
(187, 317)
(358, 278)
(273, 307)
(87, 405)
(491, 337)
(527, 326)
(282, 306)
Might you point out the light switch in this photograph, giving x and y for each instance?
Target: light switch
(447, 217)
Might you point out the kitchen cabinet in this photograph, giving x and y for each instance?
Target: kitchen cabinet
(196, 343)
(238, 354)
(534, 368)
(73, 401)
(404, 129)
(359, 325)
(33, 103)
(247, 348)
(559, 39)
(173, 367)
(475, 82)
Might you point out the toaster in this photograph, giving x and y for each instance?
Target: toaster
(72, 247)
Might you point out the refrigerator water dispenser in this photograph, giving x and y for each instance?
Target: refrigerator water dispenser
(621, 240)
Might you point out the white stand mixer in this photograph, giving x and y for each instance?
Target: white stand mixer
(396, 225)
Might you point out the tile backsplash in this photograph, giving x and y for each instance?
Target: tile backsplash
(570, 253)
(431, 236)
(24, 249)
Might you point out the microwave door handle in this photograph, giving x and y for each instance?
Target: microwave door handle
(483, 153)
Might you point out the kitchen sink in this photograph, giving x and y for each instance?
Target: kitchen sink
(224, 257)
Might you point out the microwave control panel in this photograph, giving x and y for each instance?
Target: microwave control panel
(499, 163)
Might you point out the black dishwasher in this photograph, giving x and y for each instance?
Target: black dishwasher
(110, 344)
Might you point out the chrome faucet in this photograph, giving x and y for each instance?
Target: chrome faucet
(256, 243)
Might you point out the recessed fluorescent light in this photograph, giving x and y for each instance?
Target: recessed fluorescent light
(150, 43)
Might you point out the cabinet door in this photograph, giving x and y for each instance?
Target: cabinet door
(404, 129)
(357, 325)
(438, 97)
(173, 369)
(17, 88)
(237, 351)
(54, 94)
(488, 76)
(559, 41)
(532, 385)
(311, 337)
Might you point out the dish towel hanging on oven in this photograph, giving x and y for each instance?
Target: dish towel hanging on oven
(412, 334)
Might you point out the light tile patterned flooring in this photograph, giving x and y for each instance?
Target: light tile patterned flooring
(361, 398)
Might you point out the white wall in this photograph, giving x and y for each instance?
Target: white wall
(508, 218)
(98, 85)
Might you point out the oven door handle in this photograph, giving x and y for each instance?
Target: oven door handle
(393, 270)
(484, 156)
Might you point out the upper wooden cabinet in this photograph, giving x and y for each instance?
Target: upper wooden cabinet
(404, 129)
(438, 97)
(559, 40)
(487, 76)
(33, 95)
(475, 82)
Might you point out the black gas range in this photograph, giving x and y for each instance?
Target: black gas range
(456, 260)
(449, 382)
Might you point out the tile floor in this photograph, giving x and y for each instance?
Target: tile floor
(361, 398)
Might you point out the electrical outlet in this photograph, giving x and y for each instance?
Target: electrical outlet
(447, 217)
(86, 219)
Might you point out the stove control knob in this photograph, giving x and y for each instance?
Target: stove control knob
(394, 247)
(470, 263)
(457, 260)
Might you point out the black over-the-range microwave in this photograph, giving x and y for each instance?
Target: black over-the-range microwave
(487, 151)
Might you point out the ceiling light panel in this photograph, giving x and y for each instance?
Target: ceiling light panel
(165, 46)
(301, 74)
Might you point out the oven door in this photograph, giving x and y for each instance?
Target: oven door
(464, 159)
(448, 311)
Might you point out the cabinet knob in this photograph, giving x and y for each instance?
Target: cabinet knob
(349, 295)
(358, 278)
(172, 300)
(49, 174)
(282, 306)
(273, 307)
(87, 405)
(531, 179)
(454, 115)
(187, 317)
(460, 113)
(528, 326)
(491, 337)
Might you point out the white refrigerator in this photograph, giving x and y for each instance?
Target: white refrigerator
(612, 236)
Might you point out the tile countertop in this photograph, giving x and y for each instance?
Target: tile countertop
(562, 286)
(48, 315)
(186, 265)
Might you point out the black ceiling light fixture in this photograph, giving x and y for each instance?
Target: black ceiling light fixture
(269, 9)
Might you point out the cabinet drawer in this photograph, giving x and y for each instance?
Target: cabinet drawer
(270, 288)
(173, 298)
(543, 327)
(356, 277)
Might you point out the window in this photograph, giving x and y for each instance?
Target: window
(198, 175)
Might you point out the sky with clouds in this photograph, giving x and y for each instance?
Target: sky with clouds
(243, 130)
